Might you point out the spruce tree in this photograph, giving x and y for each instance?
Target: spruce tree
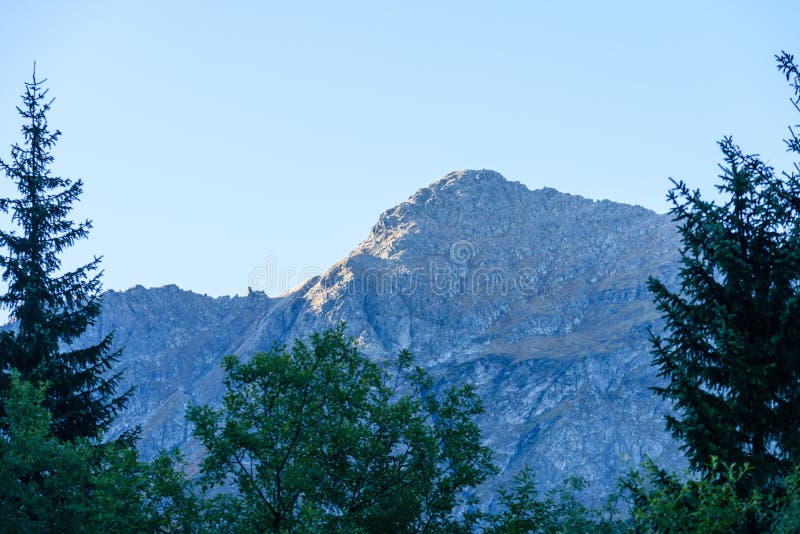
(51, 308)
(730, 352)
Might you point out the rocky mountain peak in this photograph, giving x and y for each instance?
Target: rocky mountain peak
(445, 205)
(498, 215)
(538, 298)
(470, 181)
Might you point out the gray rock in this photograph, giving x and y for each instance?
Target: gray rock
(537, 297)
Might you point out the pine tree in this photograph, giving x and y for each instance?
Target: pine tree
(730, 352)
(52, 308)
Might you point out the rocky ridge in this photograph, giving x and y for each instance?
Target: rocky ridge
(537, 297)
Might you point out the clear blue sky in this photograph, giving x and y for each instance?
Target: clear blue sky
(213, 136)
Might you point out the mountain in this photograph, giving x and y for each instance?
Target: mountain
(537, 297)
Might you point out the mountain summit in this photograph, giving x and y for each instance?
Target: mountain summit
(537, 297)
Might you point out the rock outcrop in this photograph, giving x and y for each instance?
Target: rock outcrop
(537, 297)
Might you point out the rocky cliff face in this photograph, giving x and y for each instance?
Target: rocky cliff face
(537, 297)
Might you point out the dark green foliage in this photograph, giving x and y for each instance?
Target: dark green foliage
(48, 485)
(730, 354)
(666, 502)
(785, 504)
(129, 495)
(43, 481)
(52, 308)
(524, 511)
(318, 438)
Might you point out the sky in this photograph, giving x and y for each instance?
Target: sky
(219, 141)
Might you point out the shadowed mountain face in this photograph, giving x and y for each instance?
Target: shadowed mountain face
(537, 297)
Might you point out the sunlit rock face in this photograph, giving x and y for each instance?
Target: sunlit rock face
(537, 297)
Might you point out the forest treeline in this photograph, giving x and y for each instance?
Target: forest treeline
(316, 437)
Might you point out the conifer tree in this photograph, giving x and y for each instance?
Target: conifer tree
(730, 352)
(52, 308)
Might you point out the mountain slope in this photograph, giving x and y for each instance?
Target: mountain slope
(537, 297)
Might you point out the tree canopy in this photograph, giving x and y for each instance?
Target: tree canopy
(319, 438)
(52, 308)
(730, 353)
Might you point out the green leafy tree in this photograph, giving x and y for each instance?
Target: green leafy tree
(52, 308)
(522, 510)
(319, 438)
(667, 502)
(49, 485)
(730, 353)
(785, 505)
(42, 480)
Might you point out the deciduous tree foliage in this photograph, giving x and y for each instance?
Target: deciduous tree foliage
(49, 485)
(730, 352)
(523, 510)
(52, 308)
(319, 438)
(716, 503)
